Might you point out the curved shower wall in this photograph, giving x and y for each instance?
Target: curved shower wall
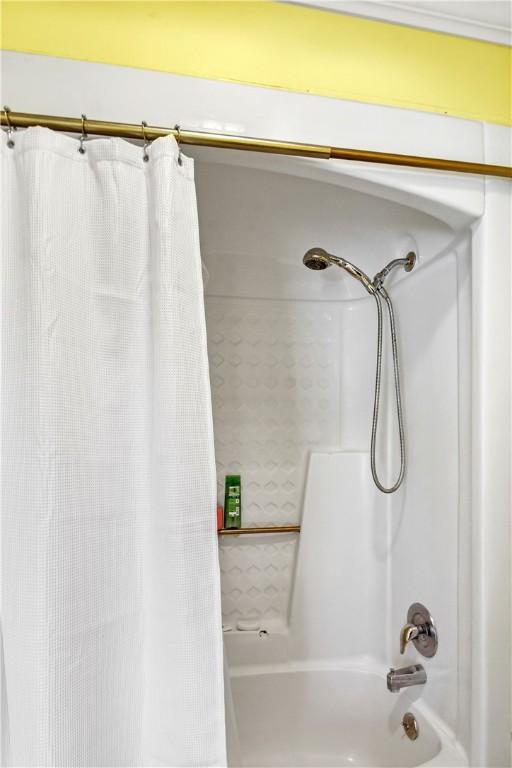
(292, 362)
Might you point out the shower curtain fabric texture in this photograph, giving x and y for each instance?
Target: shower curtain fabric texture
(111, 621)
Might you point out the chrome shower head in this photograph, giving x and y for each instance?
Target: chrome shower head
(316, 258)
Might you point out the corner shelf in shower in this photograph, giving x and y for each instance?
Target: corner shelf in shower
(266, 529)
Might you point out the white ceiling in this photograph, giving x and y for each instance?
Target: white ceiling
(481, 19)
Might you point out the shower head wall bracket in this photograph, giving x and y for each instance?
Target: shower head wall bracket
(407, 263)
(411, 261)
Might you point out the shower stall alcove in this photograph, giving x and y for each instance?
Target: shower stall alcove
(292, 367)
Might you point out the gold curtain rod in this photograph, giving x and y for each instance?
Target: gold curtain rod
(266, 529)
(225, 141)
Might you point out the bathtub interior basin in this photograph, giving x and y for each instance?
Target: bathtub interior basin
(298, 714)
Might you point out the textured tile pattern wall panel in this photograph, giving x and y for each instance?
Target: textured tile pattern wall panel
(274, 368)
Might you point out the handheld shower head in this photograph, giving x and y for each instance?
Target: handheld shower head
(317, 258)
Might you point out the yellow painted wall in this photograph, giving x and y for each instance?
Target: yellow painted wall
(278, 46)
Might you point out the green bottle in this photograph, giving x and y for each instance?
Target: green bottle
(233, 502)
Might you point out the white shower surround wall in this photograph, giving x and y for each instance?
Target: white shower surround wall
(450, 530)
(292, 353)
(363, 557)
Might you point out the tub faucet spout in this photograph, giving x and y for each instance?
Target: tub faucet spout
(405, 677)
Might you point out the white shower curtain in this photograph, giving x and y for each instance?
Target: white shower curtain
(112, 647)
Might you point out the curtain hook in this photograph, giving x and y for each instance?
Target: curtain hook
(83, 137)
(178, 139)
(145, 155)
(10, 128)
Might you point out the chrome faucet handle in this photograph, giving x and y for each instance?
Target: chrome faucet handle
(420, 629)
(407, 633)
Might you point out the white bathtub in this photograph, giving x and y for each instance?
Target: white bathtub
(297, 715)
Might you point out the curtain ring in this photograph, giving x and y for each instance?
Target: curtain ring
(10, 128)
(178, 139)
(83, 137)
(145, 155)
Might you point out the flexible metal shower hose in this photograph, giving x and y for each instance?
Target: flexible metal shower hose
(378, 293)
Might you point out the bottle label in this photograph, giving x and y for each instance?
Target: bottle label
(233, 502)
